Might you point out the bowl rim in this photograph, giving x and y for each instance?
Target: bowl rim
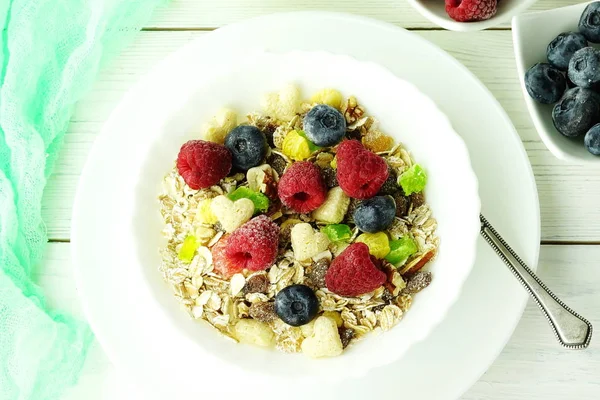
(519, 48)
(449, 24)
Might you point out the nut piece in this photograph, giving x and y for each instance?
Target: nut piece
(254, 332)
(257, 284)
(306, 242)
(418, 282)
(219, 126)
(263, 311)
(325, 340)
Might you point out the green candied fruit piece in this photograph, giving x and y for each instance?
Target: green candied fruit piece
(337, 232)
(413, 180)
(401, 249)
(188, 249)
(261, 202)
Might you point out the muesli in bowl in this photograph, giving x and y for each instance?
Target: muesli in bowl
(304, 227)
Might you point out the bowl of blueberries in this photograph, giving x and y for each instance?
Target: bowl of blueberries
(558, 60)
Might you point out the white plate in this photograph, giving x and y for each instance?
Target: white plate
(476, 329)
(532, 33)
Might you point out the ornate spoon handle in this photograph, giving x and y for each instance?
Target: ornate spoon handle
(572, 330)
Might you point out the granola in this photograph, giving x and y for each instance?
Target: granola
(242, 305)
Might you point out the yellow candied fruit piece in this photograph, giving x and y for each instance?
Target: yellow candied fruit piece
(296, 147)
(334, 163)
(328, 96)
(204, 215)
(378, 243)
(377, 141)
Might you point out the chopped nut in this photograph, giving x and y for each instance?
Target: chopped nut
(257, 284)
(264, 311)
(418, 263)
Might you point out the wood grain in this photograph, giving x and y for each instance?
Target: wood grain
(533, 366)
(569, 195)
(203, 14)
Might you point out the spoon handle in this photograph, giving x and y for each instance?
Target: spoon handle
(572, 330)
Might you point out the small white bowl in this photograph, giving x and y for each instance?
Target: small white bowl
(435, 11)
(531, 34)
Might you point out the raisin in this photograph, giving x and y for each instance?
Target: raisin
(264, 311)
(315, 275)
(257, 284)
(402, 204)
(417, 199)
(355, 134)
(329, 177)
(346, 335)
(378, 308)
(390, 186)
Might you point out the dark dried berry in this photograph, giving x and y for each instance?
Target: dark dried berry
(418, 282)
(387, 296)
(315, 275)
(277, 162)
(346, 335)
(355, 134)
(390, 186)
(378, 308)
(257, 284)
(330, 177)
(264, 311)
(269, 130)
(417, 199)
(402, 204)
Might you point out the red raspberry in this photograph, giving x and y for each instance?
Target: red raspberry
(221, 263)
(254, 245)
(202, 164)
(301, 187)
(353, 272)
(360, 172)
(471, 10)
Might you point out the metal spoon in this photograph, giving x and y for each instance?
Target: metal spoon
(572, 330)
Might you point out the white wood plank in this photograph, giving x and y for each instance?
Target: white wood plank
(532, 366)
(569, 195)
(212, 14)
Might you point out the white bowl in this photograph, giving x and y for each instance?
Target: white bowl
(532, 33)
(117, 211)
(435, 11)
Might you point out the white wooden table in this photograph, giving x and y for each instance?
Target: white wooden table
(532, 366)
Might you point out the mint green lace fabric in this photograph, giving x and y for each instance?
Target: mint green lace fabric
(50, 53)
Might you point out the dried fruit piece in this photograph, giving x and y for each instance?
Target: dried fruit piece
(232, 214)
(337, 232)
(222, 264)
(277, 162)
(390, 186)
(377, 141)
(328, 96)
(282, 105)
(285, 231)
(325, 340)
(315, 274)
(417, 199)
(219, 126)
(263, 311)
(257, 284)
(188, 249)
(401, 249)
(252, 331)
(346, 335)
(204, 215)
(353, 272)
(418, 282)
(329, 177)
(379, 245)
(202, 164)
(297, 147)
(260, 201)
(334, 208)
(413, 180)
(402, 203)
(306, 242)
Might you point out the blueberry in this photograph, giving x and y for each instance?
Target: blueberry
(248, 146)
(324, 125)
(375, 214)
(544, 83)
(584, 68)
(589, 23)
(296, 305)
(592, 140)
(562, 48)
(577, 112)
